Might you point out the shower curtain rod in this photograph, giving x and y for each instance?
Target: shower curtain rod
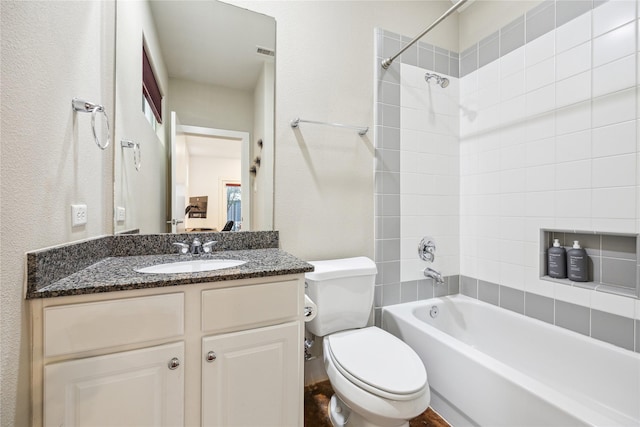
(387, 62)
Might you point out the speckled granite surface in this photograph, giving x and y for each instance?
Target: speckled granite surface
(108, 263)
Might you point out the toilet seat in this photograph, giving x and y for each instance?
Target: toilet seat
(378, 362)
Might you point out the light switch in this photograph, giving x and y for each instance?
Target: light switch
(78, 215)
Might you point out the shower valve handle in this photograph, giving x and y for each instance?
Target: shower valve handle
(427, 249)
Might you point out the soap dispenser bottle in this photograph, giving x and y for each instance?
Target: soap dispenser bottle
(577, 263)
(557, 261)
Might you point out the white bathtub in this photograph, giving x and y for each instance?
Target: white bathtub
(490, 367)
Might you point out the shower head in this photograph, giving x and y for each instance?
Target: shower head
(442, 81)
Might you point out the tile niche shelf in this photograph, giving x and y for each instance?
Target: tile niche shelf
(613, 260)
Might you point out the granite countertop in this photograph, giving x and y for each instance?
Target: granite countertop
(118, 273)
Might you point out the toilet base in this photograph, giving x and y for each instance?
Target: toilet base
(342, 416)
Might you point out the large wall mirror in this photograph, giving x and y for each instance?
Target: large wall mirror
(194, 125)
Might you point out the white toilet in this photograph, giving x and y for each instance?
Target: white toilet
(379, 381)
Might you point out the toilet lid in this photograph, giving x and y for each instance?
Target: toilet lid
(378, 361)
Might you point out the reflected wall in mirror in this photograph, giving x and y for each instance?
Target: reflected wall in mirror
(214, 65)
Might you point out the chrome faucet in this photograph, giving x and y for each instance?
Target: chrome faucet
(197, 247)
(433, 274)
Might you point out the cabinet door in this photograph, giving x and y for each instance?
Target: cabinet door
(255, 379)
(132, 388)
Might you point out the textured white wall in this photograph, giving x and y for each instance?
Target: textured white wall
(324, 71)
(51, 53)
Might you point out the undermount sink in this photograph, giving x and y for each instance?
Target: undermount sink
(191, 266)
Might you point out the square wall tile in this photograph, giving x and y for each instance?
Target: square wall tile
(425, 289)
(512, 62)
(573, 89)
(573, 146)
(622, 247)
(567, 10)
(614, 76)
(619, 272)
(512, 36)
(512, 299)
(489, 49)
(469, 60)
(489, 292)
(388, 137)
(617, 107)
(540, 74)
(614, 171)
(619, 138)
(540, 49)
(426, 58)
(613, 45)
(614, 329)
(539, 307)
(611, 15)
(454, 285)
(540, 20)
(409, 56)
(389, 93)
(573, 317)
(469, 286)
(391, 294)
(409, 291)
(574, 32)
(573, 61)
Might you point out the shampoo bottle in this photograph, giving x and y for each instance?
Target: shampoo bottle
(557, 261)
(577, 263)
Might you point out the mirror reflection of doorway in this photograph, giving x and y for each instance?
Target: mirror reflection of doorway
(232, 205)
(207, 160)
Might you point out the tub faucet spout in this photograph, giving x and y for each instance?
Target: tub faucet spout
(433, 274)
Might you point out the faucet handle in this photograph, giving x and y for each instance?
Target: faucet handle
(427, 249)
(183, 248)
(207, 247)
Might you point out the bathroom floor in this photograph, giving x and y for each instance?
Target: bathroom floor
(316, 400)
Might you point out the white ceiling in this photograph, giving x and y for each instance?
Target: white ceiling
(211, 42)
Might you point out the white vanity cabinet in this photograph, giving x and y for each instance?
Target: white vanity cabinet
(213, 354)
(252, 332)
(231, 395)
(134, 388)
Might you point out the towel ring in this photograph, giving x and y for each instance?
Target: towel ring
(137, 154)
(89, 107)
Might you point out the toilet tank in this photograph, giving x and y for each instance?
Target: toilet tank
(343, 291)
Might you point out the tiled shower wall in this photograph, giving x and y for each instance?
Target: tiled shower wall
(548, 123)
(417, 171)
(550, 142)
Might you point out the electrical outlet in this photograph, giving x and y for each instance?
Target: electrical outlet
(78, 215)
(120, 214)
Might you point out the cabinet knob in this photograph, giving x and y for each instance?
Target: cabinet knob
(211, 356)
(174, 363)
